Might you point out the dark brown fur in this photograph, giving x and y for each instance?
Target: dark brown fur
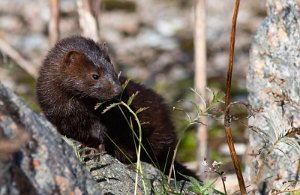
(67, 92)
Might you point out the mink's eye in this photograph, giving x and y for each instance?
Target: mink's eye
(95, 76)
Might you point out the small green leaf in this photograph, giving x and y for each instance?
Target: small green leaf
(220, 97)
(119, 74)
(110, 107)
(132, 97)
(124, 85)
(130, 121)
(292, 142)
(217, 97)
(206, 189)
(97, 106)
(199, 96)
(195, 182)
(198, 109)
(73, 145)
(69, 142)
(141, 110)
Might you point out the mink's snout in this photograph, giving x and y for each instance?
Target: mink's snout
(109, 88)
(118, 90)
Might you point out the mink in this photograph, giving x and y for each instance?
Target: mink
(75, 76)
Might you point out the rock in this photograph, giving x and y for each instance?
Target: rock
(11, 23)
(34, 159)
(273, 82)
(46, 164)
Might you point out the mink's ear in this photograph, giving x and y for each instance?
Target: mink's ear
(73, 56)
(104, 48)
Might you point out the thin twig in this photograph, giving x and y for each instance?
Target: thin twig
(53, 27)
(230, 143)
(223, 180)
(200, 78)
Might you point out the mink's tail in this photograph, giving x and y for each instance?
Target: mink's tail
(182, 173)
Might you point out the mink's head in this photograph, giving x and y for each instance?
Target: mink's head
(86, 69)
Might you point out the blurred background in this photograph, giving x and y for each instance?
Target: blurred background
(150, 41)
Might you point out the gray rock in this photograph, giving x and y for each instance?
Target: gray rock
(47, 164)
(273, 81)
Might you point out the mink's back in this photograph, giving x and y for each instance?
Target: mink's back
(159, 138)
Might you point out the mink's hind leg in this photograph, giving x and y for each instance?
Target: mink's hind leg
(101, 148)
(88, 152)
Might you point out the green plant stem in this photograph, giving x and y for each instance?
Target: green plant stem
(175, 151)
(173, 160)
(265, 159)
(136, 136)
(138, 164)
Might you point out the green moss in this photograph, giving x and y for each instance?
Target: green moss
(111, 5)
(31, 102)
(216, 131)
(216, 156)
(237, 90)
(187, 147)
(186, 44)
(23, 79)
(10, 67)
(179, 90)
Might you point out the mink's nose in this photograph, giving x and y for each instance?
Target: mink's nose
(117, 88)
